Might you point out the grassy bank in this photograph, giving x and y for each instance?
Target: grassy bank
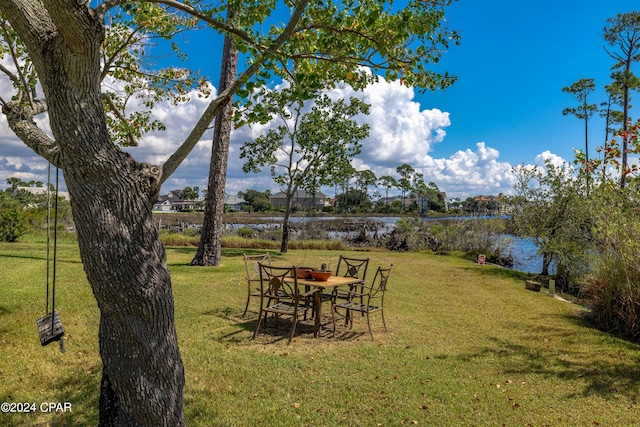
(467, 345)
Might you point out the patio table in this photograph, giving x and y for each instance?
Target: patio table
(331, 283)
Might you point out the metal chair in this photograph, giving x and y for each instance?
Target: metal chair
(281, 296)
(371, 301)
(349, 267)
(252, 275)
(352, 267)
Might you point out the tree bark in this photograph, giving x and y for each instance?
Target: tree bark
(209, 251)
(625, 117)
(546, 263)
(111, 198)
(286, 228)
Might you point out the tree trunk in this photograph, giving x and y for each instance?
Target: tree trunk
(125, 263)
(607, 123)
(111, 197)
(286, 230)
(546, 262)
(143, 378)
(625, 118)
(209, 251)
(586, 136)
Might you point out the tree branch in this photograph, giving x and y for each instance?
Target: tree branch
(105, 6)
(216, 105)
(20, 119)
(64, 11)
(109, 61)
(215, 23)
(18, 80)
(9, 74)
(122, 118)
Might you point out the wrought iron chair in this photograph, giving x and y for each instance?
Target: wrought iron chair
(352, 267)
(281, 296)
(372, 298)
(349, 267)
(252, 275)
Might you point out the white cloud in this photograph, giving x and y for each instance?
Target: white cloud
(400, 133)
(16, 159)
(548, 156)
(467, 173)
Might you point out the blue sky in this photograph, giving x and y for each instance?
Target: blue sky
(514, 60)
(512, 63)
(505, 109)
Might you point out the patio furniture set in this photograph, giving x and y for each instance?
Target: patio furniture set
(292, 291)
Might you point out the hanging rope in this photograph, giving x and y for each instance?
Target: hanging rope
(55, 250)
(49, 326)
(48, 229)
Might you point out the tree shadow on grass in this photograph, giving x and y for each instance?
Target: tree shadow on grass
(79, 391)
(604, 375)
(239, 252)
(41, 258)
(501, 272)
(82, 390)
(226, 253)
(268, 332)
(182, 249)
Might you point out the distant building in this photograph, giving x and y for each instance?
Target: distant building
(387, 200)
(163, 205)
(487, 199)
(408, 201)
(495, 204)
(36, 191)
(454, 203)
(172, 202)
(302, 199)
(234, 202)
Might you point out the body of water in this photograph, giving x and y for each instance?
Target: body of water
(525, 256)
(524, 251)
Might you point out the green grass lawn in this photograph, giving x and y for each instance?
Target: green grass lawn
(467, 345)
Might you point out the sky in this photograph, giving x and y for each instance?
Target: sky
(505, 108)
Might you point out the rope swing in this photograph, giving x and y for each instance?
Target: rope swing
(49, 326)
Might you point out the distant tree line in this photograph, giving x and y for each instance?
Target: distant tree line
(21, 210)
(359, 192)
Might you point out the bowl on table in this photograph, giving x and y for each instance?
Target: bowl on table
(303, 272)
(320, 275)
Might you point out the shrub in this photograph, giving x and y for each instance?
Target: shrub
(271, 234)
(410, 233)
(612, 288)
(178, 239)
(311, 232)
(246, 232)
(613, 295)
(13, 224)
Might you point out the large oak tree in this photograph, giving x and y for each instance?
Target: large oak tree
(67, 47)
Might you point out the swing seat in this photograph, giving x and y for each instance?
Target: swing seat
(50, 329)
